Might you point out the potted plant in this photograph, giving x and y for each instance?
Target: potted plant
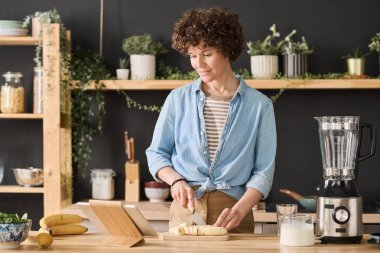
(39, 18)
(295, 56)
(122, 72)
(356, 62)
(142, 50)
(375, 46)
(264, 55)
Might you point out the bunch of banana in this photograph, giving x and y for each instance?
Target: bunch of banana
(59, 219)
(58, 224)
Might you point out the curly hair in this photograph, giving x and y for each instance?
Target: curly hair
(213, 27)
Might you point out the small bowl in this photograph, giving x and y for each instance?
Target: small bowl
(29, 176)
(12, 234)
(156, 191)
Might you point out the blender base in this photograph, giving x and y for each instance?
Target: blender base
(351, 239)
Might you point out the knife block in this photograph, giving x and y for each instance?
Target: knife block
(132, 181)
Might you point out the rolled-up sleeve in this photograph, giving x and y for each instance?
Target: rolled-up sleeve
(265, 152)
(160, 151)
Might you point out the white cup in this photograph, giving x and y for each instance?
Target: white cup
(298, 230)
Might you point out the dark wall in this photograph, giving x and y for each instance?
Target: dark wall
(332, 27)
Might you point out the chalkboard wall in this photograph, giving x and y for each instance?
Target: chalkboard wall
(333, 28)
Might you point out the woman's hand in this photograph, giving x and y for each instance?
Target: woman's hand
(184, 195)
(230, 218)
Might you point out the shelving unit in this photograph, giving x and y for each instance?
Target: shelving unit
(56, 131)
(258, 84)
(21, 116)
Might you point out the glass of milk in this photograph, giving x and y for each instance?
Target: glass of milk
(298, 230)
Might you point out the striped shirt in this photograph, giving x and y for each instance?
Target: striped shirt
(215, 113)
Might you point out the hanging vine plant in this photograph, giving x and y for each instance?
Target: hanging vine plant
(86, 67)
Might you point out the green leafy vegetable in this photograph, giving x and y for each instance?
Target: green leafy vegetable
(12, 218)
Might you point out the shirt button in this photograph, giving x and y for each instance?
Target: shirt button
(205, 152)
(201, 132)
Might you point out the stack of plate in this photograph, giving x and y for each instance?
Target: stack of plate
(12, 28)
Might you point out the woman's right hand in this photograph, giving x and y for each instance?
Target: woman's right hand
(184, 195)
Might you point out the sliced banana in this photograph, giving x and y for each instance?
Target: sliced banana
(198, 230)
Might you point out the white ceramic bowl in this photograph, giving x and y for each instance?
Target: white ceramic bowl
(157, 194)
(12, 234)
(156, 191)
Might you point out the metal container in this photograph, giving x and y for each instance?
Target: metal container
(29, 176)
(356, 66)
(295, 65)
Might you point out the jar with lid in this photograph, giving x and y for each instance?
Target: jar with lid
(103, 184)
(12, 93)
(37, 91)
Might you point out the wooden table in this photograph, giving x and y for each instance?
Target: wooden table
(265, 222)
(91, 242)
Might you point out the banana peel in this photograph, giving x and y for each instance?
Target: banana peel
(44, 238)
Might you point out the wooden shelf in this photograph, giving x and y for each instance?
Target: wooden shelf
(20, 189)
(18, 41)
(21, 116)
(56, 127)
(258, 84)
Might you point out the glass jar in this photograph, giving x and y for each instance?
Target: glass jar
(103, 184)
(37, 91)
(12, 93)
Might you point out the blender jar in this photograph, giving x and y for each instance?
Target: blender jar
(12, 93)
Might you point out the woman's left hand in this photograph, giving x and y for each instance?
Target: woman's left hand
(230, 218)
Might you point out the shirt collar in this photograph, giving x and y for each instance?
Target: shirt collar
(241, 89)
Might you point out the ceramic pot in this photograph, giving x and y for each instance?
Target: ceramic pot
(143, 67)
(295, 65)
(36, 27)
(122, 74)
(264, 66)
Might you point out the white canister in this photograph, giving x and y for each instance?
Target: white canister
(103, 184)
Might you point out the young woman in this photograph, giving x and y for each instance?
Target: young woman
(215, 138)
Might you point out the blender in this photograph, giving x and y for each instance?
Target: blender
(339, 202)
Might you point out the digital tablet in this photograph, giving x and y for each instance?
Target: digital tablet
(91, 215)
(140, 221)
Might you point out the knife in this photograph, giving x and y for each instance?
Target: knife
(198, 219)
(132, 146)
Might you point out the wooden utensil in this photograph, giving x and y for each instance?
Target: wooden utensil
(132, 146)
(127, 145)
(170, 237)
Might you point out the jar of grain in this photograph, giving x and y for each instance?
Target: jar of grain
(12, 93)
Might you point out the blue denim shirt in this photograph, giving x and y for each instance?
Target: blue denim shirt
(246, 154)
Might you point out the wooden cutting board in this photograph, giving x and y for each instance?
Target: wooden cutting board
(170, 237)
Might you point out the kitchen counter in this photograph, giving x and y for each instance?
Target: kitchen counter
(92, 242)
